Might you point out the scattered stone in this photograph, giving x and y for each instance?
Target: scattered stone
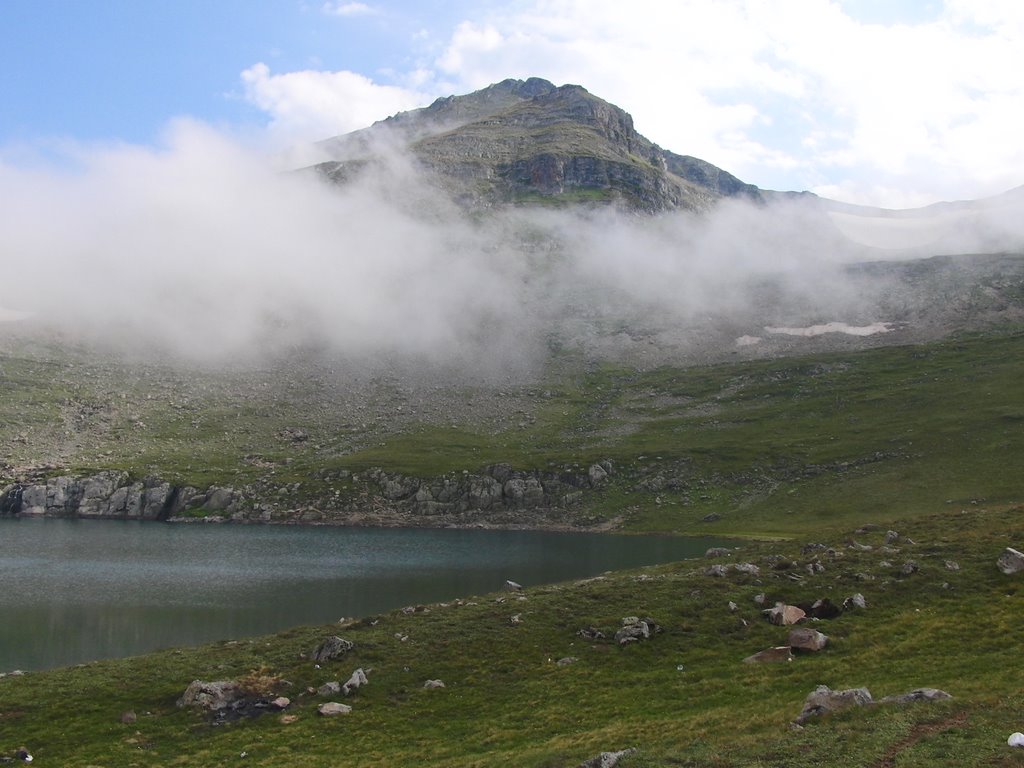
(823, 700)
(211, 696)
(516, 619)
(511, 586)
(823, 608)
(332, 648)
(23, 755)
(332, 708)
(430, 685)
(918, 694)
(129, 717)
(909, 568)
(718, 552)
(806, 639)
(855, 601)
(635, 628)
(859, 547)
(760, 598)
(952, 565)
(606, 759)
(1011, 561)
(814, 568)
(357, 679)
(333, 688)
(810, 549)
(891, 537)
(287, 719)
(748, 568)
(591, 633)
(718, 570)
(784, 615)
(566, 661)
(281, 702)
(732, 606)
(1016, 739)
(770, 655)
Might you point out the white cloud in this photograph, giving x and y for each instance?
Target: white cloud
(311, 105)
(348, 9)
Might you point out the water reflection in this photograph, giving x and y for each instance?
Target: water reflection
(75, 590)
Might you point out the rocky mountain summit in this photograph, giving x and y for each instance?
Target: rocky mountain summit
(528, 141)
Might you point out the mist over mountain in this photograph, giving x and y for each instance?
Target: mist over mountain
(478, 234)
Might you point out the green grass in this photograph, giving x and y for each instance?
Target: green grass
(507, 703)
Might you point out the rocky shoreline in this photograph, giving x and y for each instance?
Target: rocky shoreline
(498, 497)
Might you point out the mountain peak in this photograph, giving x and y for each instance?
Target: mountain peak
(531, 142)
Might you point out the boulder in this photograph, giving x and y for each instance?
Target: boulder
(718, 570)
(357, 679)
(281, 702)
(1016, 739)
(783, 615)
(332, 648)
(823, 700)
(332, 708)
(1011, 561)
(718, 552)
(770, 655)
(606, 759)
(635, 628)
(855, 601)
(821, 609)
(806, 639)
(748, 568)
(211, 696)
(332, 688)
(918, 694)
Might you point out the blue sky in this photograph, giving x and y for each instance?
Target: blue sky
(891, 103)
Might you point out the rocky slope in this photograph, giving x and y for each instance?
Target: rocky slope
(528, 141)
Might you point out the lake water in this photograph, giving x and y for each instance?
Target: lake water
(77, 590)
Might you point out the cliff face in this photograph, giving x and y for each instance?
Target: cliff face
(530, 142)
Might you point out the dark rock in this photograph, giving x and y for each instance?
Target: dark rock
(332, 648)
(821, 609)
(211, 696)
(711, 518)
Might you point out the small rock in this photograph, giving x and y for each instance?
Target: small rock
(733, 606)
(823, 700)
(718, 552)
(332, 648)
(591, 633)
(718, 570)
(357, 679)
(748, 568)
(910, 567)
(516, 619)
(760, 598)
(333, 688)
(807, 639)
(770, 655)
(784, 615)
(433, 684)
(606, 759)
(891, 537)
(511, 586)
(821, 609)
(210, 696)
(129, 717)
(855, 601)
(1010, 562)
(918, 694)
(332, 708)
(281, 702)
(952, 565)
(23, 755)
(566, 661)
(1016, 739)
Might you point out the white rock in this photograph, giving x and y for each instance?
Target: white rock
(1016, 739)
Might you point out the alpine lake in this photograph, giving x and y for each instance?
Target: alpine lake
(78, 590)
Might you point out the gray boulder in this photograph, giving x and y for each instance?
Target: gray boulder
(431, 685)
(211, 696)
(806, 639)
(357, 679)
(918, 694)
(1011, 561)
(332, 708)
(332, 648)
(606, 759)
(823, 700)
(783, 615)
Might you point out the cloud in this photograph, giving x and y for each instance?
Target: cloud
(310, 105)
(348, 9)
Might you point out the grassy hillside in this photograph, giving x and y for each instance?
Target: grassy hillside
(769, 448)
(682, 698)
